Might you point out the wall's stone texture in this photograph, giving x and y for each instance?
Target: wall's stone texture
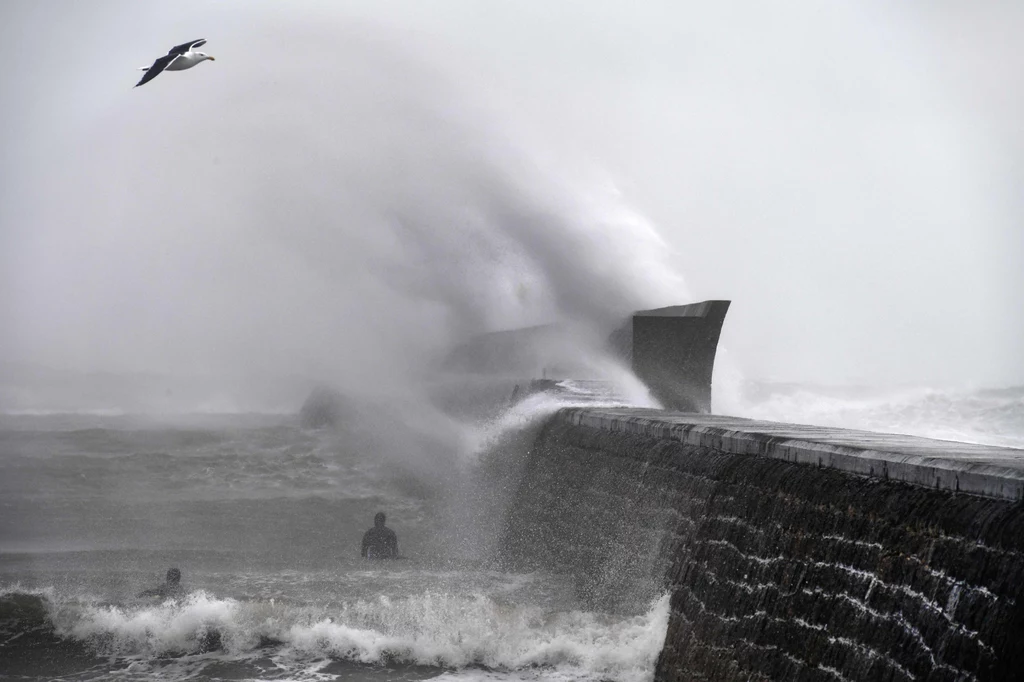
(777, 570)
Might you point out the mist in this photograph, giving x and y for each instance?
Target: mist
(355, 189)
(350, 190)
(344, 213)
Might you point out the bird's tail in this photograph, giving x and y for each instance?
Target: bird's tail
(143, 68)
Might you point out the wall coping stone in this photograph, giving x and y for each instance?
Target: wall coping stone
(984, 470)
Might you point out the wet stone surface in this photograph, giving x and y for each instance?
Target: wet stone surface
(777, 570)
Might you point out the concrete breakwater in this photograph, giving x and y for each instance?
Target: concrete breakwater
(790, 552)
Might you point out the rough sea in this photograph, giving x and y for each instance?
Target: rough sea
(264, 519)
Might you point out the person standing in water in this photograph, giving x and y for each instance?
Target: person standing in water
(380, 542)
(171, 587)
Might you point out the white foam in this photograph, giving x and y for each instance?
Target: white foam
(170, 627)
(459, 632)
(534, 409)
(453, 631)
(992, 417)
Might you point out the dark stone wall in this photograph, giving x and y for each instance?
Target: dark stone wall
(777, 571)
(672, 350)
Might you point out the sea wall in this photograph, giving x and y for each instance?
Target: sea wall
(790, 553)
(671, 350)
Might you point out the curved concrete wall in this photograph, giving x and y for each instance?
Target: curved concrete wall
(791, 553)
(672, 350)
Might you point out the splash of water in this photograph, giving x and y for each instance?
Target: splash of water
(429, 629)
(345, 213)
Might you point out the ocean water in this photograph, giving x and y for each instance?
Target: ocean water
(991, 416)
(264, 519)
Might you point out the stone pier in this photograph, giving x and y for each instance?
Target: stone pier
(790, 552)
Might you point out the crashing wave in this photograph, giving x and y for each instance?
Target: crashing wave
(439, 630)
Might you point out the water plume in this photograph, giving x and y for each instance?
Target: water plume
(345, 212)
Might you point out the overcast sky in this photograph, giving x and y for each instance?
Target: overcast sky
(848, 174)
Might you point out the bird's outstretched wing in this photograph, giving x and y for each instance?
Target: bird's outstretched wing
(185, 47)
(159, 65)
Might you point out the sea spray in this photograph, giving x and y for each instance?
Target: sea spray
(348, 216)
(432, 629)
(987, 416)
(493, 453)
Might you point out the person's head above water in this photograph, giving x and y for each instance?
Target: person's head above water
(378, 519)
(173, 576)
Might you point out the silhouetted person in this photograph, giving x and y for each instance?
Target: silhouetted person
(380, 542)
(171, 587)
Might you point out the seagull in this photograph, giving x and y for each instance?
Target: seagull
(178, 58)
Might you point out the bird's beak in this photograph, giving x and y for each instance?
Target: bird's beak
(211, 59)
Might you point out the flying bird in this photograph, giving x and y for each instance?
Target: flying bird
(178, 58)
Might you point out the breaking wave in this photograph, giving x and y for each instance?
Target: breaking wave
(987, 416)
(430, 629)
